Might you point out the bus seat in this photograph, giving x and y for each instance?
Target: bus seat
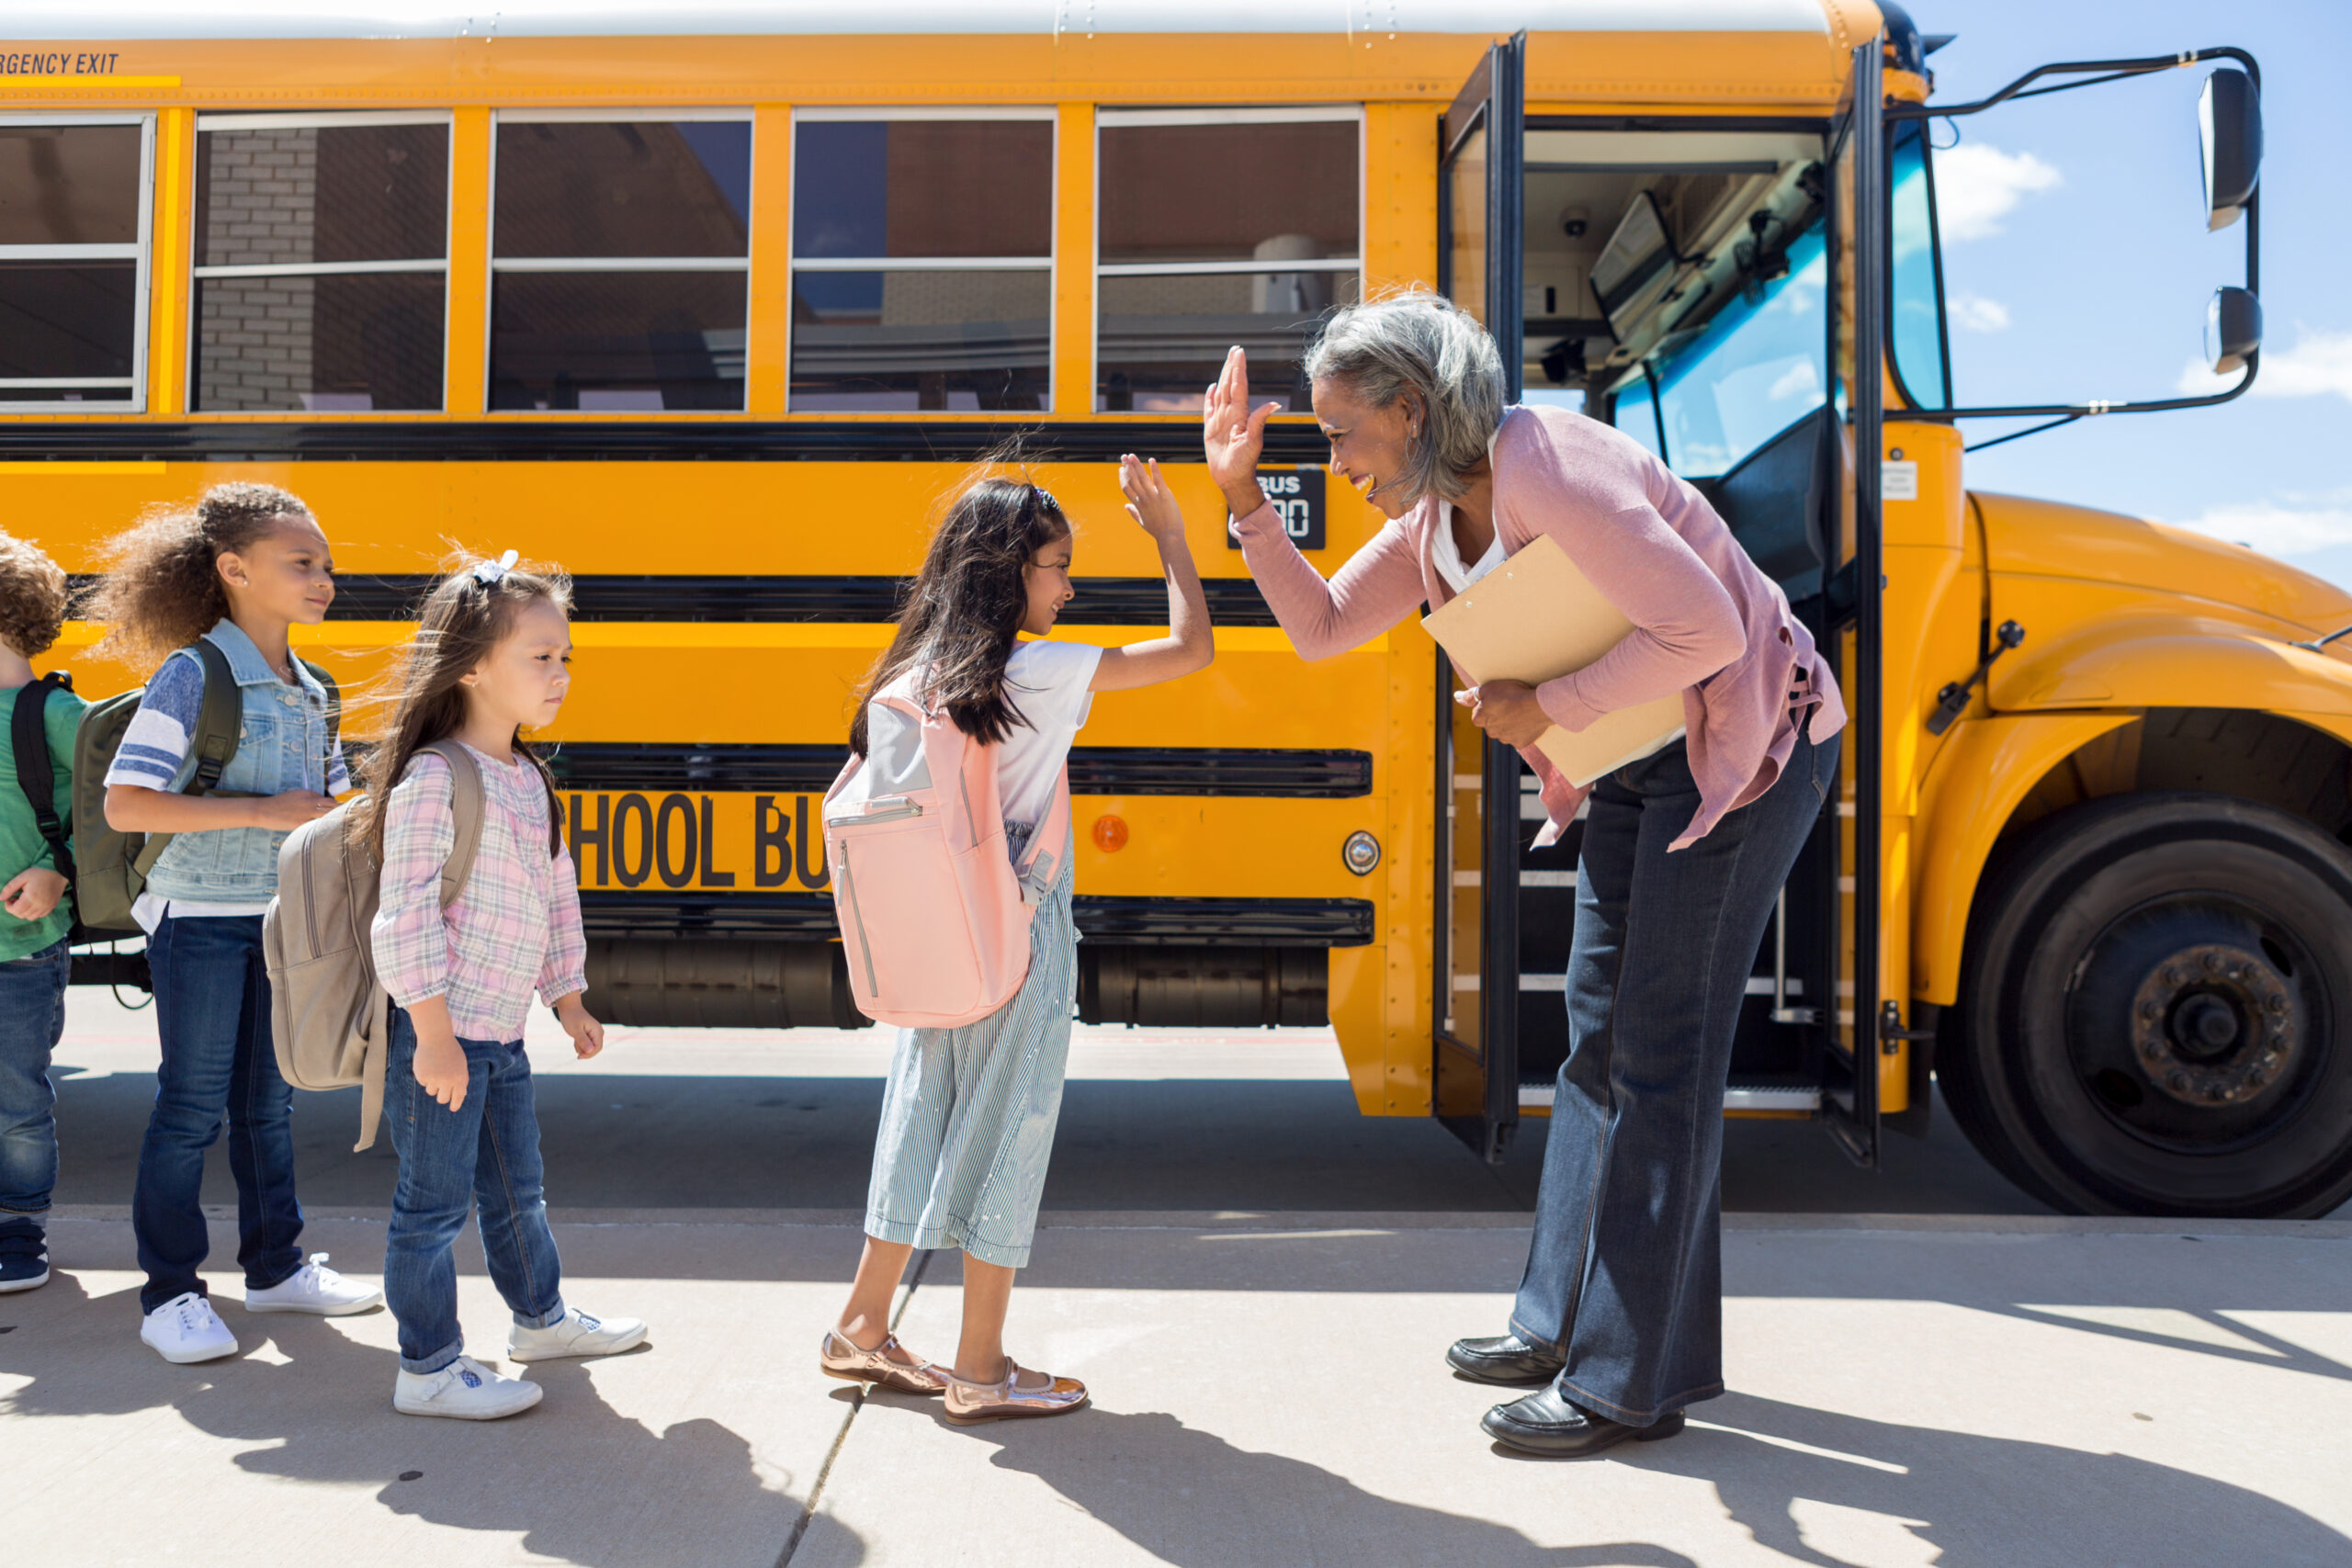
(1777, 501)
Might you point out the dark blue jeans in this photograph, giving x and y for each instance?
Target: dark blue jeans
(1624, 1271)
(212, 1010)
(32, 1021)
(486, 1154)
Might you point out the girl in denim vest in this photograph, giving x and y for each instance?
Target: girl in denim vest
(492, 658)
(238, 568)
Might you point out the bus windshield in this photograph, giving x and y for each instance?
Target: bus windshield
(1746, 376)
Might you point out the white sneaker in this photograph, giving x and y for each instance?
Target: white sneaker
(315, 1288)
(185, 1329)
(465, 1390)
(573, 1334)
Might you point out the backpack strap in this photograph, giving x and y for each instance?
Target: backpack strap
(1041, 861)
(335, 720)
(218, 721)
(466, 805)
(28, 735)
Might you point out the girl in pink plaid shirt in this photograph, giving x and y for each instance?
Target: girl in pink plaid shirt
(491, 658)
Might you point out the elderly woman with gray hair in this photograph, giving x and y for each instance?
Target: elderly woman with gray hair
(1618, 1316)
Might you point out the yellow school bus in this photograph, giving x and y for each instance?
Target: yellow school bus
(712, 302)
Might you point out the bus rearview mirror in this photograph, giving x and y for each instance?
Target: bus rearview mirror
(2233, 329)
(2229, 134)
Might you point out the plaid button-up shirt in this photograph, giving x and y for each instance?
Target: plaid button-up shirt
(515, 925)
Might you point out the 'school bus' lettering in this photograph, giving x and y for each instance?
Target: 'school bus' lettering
(644, 838)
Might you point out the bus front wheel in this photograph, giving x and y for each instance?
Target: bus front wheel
(2155, 1014)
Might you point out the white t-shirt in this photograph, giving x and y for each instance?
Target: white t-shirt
(1445, 553)
(1047, 684)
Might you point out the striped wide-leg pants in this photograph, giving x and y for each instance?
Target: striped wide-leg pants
(967, 1117)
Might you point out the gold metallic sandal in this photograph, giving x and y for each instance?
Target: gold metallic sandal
(969, 1403)
(838, 1358)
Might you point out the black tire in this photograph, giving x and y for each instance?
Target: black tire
(2155, 1013)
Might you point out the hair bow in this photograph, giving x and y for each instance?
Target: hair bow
(491, 573)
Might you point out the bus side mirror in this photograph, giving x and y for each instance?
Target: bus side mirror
(2233, 329)
(2229, 133)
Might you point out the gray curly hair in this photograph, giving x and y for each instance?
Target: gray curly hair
(1419, 342)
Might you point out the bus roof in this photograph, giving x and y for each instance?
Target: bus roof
(125, 21)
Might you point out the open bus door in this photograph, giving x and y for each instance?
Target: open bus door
(1859, 1037)
(1475, 1076)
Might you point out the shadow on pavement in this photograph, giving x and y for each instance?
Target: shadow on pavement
(1967, 1501)
(1978, 1502)
(1235, 1506)
(574, 1479)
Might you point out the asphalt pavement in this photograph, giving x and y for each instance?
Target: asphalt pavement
(1254, 1119)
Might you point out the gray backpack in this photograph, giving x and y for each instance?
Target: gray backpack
(328, 1013)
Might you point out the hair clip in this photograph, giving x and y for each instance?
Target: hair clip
(491, 573)
(1046, 496)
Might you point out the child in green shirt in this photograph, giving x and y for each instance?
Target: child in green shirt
(36, 913)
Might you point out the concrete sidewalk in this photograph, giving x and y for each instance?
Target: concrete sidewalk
(1268, 1391)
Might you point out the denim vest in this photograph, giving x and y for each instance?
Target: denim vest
(282, 745)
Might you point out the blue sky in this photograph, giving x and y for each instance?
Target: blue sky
(2076, 265)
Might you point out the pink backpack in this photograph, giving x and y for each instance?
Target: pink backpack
(934, 914)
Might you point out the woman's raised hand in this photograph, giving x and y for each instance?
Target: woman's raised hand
(1234, 435)
(1149, 500)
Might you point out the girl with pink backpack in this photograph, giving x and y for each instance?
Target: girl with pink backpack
(949, 836)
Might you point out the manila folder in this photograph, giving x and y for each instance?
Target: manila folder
(1534, 618)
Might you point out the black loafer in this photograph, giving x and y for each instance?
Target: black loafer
(1547, 1424)
(1507, 1360)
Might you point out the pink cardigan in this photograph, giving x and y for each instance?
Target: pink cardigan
(1706, 622)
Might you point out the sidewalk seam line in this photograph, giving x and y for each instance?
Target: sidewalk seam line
(841, 1439)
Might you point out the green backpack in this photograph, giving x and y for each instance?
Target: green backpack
(111, 867)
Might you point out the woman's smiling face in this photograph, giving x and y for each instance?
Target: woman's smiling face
(1369, 446)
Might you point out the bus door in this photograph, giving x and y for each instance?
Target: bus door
(1670, 278)
(1474, 1076)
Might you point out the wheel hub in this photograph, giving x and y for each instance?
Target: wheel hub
(2213, 1025)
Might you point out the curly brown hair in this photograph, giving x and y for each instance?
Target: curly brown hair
(162, 587)
(32, 597)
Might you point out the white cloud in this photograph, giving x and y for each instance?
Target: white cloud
(1975, 313)
(2319, 363)
(2278, 529)
(1977, 185)
(1797, 381)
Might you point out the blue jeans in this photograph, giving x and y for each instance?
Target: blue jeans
(1624, 1270)
(32, 1021)
(485, 1153)
(212, 1010)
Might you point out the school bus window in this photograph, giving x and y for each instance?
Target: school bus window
(1918, 339)
(1196, 209)
(620, 257)
(72, 262)
(922, 258)
(322, 270)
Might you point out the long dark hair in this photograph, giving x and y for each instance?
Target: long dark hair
(162, 588)
(463, 619)
(963, 610)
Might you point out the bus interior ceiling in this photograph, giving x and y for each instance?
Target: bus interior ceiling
(1636, 240)
(1636, 244)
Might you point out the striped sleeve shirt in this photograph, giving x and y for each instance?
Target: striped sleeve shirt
(516, 926)
(155, 744)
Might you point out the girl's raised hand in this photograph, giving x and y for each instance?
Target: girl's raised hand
(1234, 435)
(1150, 500)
